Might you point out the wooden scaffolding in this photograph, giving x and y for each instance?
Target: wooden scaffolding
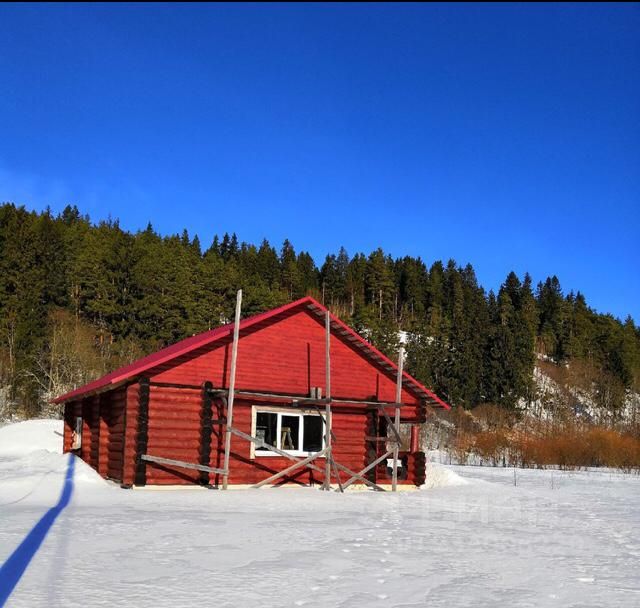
(332, 468)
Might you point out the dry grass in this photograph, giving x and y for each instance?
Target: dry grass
(500, 440)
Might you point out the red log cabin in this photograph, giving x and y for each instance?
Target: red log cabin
(162, 419)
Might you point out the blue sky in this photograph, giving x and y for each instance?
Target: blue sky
(507, 136)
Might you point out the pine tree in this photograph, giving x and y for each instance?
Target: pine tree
(290, 280)
(268, 265)
(379, 284)
(355, 282)
(308, 274)
(553, 326)
(333, 276)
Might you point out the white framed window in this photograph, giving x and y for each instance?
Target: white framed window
(294, 432)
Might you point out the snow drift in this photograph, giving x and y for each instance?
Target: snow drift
(25, 437)
(439, 476)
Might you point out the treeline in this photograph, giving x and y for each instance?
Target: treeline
(79, 298)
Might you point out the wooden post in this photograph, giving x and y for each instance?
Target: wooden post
(142, 436)
(327, 432)
(232, 388)
(206, 428)
(394, 481)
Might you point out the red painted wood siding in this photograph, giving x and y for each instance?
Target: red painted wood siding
(287, 357)
(114, 415)
(174, 432)
(103, 433)
(94, 429)
(130, 433)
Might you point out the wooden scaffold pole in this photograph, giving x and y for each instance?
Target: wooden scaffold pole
(327, 432)
(232, 389)
(396, 449)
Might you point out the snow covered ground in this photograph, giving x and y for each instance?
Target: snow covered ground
(473, 539)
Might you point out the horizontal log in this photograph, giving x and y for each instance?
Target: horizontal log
(185, 426)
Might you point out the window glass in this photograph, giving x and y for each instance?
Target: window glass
(290, 433)
(313, 433)
(267, 428)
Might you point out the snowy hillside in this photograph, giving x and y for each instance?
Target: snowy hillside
(476, 540)
(561, 387)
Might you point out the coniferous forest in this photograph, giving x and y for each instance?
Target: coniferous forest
(79, 298)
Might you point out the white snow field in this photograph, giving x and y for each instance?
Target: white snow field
(472, 539)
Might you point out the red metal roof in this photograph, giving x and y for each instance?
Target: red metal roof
(136, 368)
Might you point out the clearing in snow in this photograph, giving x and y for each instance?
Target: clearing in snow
(471, 538)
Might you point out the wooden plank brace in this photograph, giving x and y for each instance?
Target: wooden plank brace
(290, 469)
(360, 475)
(180, 463)
(272, 448)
